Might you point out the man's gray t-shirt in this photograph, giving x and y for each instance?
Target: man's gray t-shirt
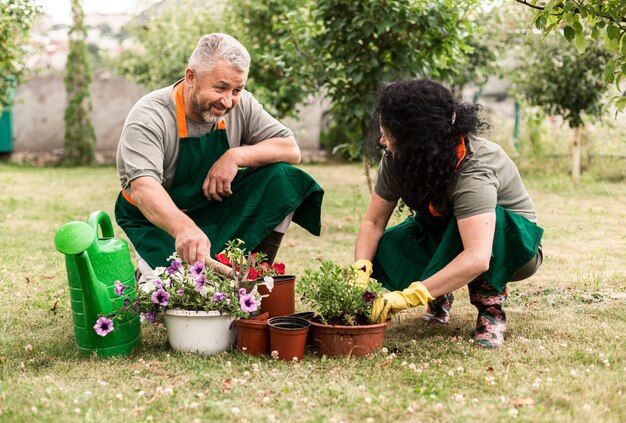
(149, 142)
(486, 177)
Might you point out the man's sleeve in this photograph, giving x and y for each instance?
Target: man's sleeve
(258, 124)
(141, 153)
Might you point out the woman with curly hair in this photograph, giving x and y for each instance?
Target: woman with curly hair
(473, 223)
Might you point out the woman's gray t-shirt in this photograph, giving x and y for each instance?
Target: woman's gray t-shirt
(486, 177)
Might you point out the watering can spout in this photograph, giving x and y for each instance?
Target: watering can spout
(73, 239)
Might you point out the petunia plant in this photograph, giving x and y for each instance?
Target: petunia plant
(333, 294)
(196, 287)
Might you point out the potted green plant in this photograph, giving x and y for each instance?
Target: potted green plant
(198, 303)
(342, 325)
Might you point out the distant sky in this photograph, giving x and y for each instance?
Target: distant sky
(59, 10)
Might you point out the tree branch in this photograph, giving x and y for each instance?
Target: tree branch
(524, 2)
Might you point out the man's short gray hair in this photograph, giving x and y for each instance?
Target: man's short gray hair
(213, 47)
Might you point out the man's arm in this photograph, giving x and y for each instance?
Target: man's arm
(154, 202)
(273, 150)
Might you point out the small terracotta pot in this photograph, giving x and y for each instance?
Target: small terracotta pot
(288, 336)
(253, 335)
(339, 340)
(282, 300)
(306, 315)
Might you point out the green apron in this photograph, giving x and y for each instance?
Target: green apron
(419, 247)
(262, 198)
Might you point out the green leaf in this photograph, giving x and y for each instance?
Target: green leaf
(540, 22)
(580, 42)
(613, 32)
(569, 33)
(577, 26)
(609, 69)
(611, 44)
(620, 105)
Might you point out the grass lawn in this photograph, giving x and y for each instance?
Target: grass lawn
(564, 359)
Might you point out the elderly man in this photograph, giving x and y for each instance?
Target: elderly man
(201, 162)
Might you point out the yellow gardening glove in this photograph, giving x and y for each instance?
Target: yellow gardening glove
(363, 270)
(393, 302)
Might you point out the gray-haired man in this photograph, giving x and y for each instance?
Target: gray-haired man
(200, 163)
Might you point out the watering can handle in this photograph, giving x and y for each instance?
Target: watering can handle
(220, 268)
(100, 218)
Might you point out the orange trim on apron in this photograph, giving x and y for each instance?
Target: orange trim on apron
(461, 151)
(127, 198)
(181, 119)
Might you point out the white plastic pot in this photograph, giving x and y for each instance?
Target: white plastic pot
(203, 332)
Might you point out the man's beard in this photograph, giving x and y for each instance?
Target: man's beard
(205, 113)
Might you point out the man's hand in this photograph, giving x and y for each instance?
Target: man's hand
(192, 245)
(363, 271)
(392, 302)
(217, 182)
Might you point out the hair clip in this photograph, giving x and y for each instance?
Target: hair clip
(453, 118)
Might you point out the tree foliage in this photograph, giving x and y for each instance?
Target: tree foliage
(358, 45)
(561, 81)
(163, 40)
(585, 22)
(279, 74)
(16, 19)
(80, 137)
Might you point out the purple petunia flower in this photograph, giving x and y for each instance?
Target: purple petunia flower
(197, 269)
(174, 267)
(126, 303)
(368, 296)
(248, 303)
(150, 316)
(160, 297)
(103, 326)
(181, 291)
(136, 306)
(242, 291)
(119, 288)
(200, 282)
(219, 297)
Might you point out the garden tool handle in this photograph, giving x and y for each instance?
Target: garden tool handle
(220, 268)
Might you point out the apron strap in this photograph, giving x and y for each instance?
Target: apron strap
(181, 119)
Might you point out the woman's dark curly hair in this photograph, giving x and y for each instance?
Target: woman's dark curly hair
(418, 115)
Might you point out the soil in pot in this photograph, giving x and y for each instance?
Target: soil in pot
(344, 340)
(282, 300)
(288, 336)
(253, 335)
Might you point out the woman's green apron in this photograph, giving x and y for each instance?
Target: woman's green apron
(419, 247)
(262, 198)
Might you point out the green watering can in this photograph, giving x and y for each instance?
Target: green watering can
(93, 265)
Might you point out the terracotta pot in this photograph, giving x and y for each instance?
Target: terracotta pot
(282, 300)
(288, 336)
(306, 315)
(253, 335)
(338, 340)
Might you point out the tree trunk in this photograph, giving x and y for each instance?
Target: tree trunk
(576, 147)
(368, 177)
